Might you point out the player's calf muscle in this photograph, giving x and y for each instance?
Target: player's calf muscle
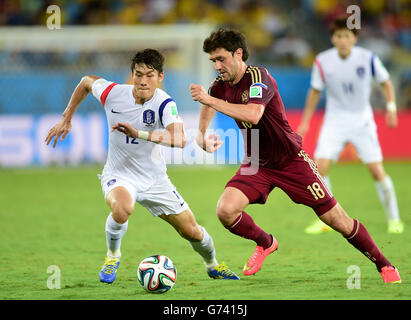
(338, 219)
(191, 233)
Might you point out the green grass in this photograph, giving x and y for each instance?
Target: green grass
(56, 216)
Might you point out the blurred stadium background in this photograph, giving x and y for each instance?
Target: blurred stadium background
(40, 67)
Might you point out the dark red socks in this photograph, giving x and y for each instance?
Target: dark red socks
(244, 226)
(361, 240)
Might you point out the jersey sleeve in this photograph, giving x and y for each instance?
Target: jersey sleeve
(101, 89)
(261, 89)
(168, 113)
(378, 70)
(317, 76)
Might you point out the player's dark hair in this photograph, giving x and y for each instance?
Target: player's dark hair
(150, 57)
(340, 23)
(228, 39)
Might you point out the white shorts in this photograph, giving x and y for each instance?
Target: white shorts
(333, 139)
(161, 198)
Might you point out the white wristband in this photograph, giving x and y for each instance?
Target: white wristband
(391, 106)
(143, 135)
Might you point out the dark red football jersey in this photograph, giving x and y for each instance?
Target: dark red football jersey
(278, 144)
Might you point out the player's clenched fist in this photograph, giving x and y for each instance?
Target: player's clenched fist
(210, 143)
(198, 93)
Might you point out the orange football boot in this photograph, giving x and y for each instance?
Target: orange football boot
(256, 261)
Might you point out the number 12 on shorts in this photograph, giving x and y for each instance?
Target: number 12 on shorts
(316, 190)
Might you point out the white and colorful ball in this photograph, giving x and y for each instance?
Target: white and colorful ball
(157, 274)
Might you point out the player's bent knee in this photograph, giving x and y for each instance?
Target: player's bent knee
(222, 211)
(121, 212)
(227, 213)
(120, 217)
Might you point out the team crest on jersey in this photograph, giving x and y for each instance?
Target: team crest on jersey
(244, 97)
(148, 117)
(360, 71)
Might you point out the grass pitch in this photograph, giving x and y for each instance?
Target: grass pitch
(56, 217)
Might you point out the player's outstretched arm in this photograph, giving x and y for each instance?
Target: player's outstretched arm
(311, 103)
(174, 136)
(64, 126)
(389, 95)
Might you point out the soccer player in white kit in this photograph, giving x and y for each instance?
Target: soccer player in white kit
(346, 72)
(140, 116)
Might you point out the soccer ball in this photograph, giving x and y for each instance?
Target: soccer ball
(157, 274)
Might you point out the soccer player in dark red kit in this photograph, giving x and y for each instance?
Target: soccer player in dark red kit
(250, 96)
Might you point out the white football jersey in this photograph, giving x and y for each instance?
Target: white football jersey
(348, 84)
(139, 161)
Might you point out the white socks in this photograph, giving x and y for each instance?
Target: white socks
(387, 196)
(114, 234)
(386, 193)
(206, 249)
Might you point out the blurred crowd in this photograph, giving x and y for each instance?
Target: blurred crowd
(283, 31)
(280, 33)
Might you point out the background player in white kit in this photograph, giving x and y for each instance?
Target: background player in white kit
(346, 72)
(135, 170)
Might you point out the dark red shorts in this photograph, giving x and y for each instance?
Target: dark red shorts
(300, 180)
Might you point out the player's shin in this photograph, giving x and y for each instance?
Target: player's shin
(362, 241)
(114, 233)
(205, 248)
(244, 226)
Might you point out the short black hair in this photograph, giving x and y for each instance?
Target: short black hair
(228, 39)
(340, 23)
(150, 57)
